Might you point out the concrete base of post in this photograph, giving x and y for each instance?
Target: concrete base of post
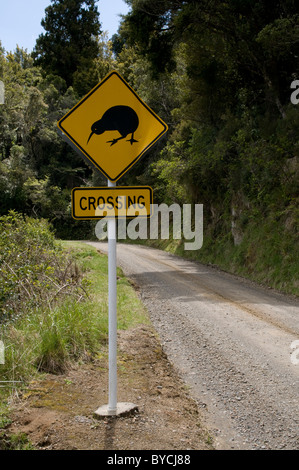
(122, 409)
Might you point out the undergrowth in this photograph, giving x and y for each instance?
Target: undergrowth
(65, 324)
(268, 253)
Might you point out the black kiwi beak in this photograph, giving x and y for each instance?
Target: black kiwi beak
(91, 134)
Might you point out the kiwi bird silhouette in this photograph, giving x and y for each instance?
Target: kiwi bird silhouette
(118, 118)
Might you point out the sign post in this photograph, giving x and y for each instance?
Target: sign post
(112, 309)
(112, 128)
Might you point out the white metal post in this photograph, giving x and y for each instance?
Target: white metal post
(113, 408)
(112, 310)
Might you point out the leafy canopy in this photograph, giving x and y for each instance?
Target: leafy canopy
(70, 40)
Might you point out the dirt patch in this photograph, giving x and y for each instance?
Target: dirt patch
(57, 412)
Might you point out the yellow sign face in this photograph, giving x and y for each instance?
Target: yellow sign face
(118, 202)
(112, 126)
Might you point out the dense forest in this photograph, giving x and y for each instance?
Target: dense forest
(219, 73)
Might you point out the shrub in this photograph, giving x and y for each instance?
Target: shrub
(34, 270)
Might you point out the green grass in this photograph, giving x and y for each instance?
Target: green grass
(18, 441)
(4, 416)
(130, 311)
(49, 339)
(268, 253)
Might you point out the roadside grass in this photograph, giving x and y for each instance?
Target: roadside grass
(267, 255)
(18, 441)
(130, 310)
(50, 339)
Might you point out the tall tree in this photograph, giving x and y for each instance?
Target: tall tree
(70, 42)
(254, 39)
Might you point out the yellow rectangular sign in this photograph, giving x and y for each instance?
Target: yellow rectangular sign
(118, 202)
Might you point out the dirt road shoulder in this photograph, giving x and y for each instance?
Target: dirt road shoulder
(57, 412)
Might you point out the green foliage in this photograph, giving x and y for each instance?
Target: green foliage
(233, 141)
(49, 337)
(69, 332)
(218, 73)
(34, 271)
(15, 442)
(69, 45)
(37, 169)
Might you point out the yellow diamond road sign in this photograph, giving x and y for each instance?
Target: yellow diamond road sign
(112, 126)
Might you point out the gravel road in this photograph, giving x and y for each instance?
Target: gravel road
(229, 340)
